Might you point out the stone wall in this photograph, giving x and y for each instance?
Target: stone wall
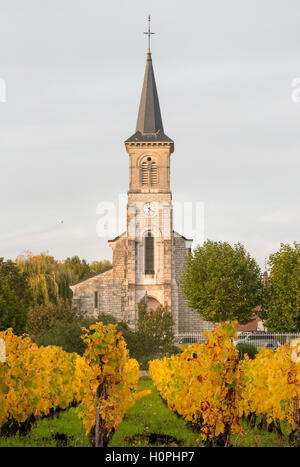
(111, 286)
(111, 293)
(119, 294)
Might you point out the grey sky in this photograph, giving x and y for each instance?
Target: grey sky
(74, 71)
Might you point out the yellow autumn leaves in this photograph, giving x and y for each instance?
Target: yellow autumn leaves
(111, 377)
(272, 385)
(34, 380)
(208, 386)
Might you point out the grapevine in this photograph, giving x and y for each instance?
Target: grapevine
(204, 384)
(35, 381)
(213, 391)
(111, 380)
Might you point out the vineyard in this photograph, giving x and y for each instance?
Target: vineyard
(207, 387)
(214, 392)
(37, 382)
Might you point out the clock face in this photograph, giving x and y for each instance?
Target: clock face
(149, 209)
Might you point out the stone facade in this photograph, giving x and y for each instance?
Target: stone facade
(119, 290)
(119, 296)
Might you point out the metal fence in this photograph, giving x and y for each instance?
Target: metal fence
(183, 339)
(266, 339)
(255, 338)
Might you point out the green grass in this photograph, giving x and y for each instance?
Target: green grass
(254, 437)
(148, 423)
(149, 416)
(43, 433)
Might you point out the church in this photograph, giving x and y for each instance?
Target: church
(148, 259)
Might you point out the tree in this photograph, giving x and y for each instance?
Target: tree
(48, 278)
(13, 312)
(80, 268)
(154, 336)
(42, 318)
(100, 266)
(281, 303)
(66, 334)
(16, 279)
(222, 283)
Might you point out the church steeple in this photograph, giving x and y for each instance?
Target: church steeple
(149, 117)
(149, 125)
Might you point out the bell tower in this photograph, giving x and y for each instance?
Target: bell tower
(149, 257)
(149, 209)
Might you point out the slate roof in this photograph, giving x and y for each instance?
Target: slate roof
(151, 137)
(176, 233)
(149, 125)
(117, 237)
(92, 276)
(182, 236)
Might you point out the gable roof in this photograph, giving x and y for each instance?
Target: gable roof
(91, 276)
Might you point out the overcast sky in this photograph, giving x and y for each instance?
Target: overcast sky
(74, 70)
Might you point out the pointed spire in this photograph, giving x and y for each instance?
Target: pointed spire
(149, 125)
(149, 118)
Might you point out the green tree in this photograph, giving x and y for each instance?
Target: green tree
(80, 268)
(100, 266)
(154, 336)
(66, 334)
(13, 312)
(221, 282)
(281, 303)
(48, 278)
(42, 317)
(17, 280)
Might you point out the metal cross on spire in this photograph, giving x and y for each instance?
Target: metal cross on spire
(149, 32)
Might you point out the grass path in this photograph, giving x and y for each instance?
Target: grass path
(150, 423)
(149, 416)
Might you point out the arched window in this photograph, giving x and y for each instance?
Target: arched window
(153, 174)
(149, 254)
(149, 173)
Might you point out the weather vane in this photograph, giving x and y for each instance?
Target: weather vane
(149, 32)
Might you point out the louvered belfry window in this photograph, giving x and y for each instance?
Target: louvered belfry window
(149, 254)
(149, 173)
(153, 174)
(144, 174)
